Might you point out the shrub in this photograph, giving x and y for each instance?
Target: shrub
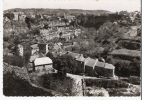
(106, 83)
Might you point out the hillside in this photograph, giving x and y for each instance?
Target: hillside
(14, 86)
(55, 11)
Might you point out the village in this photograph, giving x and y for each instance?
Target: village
(48, 44)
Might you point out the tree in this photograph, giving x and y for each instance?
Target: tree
(9, 16)
(28, 21)
(5, 38)
(50, 56)
(35, 31)
(16, 40)
(65, 63)
(27, 55)
(60, 34)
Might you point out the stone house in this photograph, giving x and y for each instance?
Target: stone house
(79, 60)
(80, 63)
(43, 64)
(90, 66)
(43, 48)
(35, 48)
(21, 50)
(69, 17)
(93, 67)
(16, 16)
(109, 70)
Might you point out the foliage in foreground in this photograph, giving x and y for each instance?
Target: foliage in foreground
(63, 85)
(14, 86)
(52, 81)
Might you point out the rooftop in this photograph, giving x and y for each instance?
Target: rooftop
(80, 58)
(74, 55)
(90, 62)
(109, 66)
(42, 61)
(100, 64)
(34, 46)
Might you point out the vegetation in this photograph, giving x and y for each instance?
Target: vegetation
(122, 92)
(125, 68)
(96, 21)
(55, 82)
(106, 83)
(15, 86)
(95, 43)
(58, 11)
(14, 60)
(9, 15)
(64, 64)
(132, 79)
(98, 37)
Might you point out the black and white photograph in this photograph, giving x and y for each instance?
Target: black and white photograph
(71, 48)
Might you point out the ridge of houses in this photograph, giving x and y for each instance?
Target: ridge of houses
(91, 67)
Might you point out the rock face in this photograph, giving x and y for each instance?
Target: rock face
(77, 86)
(91, 91)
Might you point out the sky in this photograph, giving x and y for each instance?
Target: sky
(110, 5)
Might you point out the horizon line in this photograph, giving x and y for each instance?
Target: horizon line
(72, 9)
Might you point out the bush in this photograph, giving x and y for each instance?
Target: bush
(134, 80)
(106, 83)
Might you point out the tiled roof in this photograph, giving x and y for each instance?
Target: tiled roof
(40, 41)
(90, 62)
(109, 66)
(80, 58)
(42, 61)
(126, 52)
(34, 46)
(74, 55)
(100, 64)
